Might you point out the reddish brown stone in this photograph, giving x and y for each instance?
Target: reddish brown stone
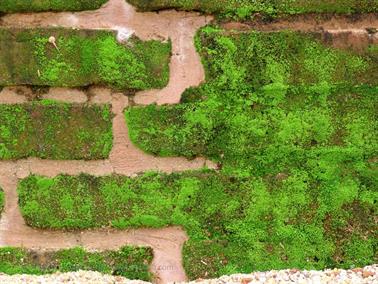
(366, 274)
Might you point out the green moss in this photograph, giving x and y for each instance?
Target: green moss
(130, 262)
(292, 124)
(242, 9)
(55, 131)
(162, 139)
(12, 6)
(269, 99)
(81, 58)
(235, 224)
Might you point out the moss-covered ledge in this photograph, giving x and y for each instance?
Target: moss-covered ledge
(130, 262)
(14, 6)
(242, 9)
(81, 58)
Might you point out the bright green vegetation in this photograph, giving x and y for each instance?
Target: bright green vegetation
(294, 124)
(12, 6)
(83, 58)
(304, 219)
(245, 8)
(271, 102)
(130, 262)
(51, 130)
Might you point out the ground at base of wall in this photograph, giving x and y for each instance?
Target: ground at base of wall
(366, 275)
(130, 262)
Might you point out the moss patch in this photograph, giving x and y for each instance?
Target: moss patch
(269, 100)
(235, 224)
(242, 9)
(51, 130)
(82, 58)
(130, 262)
(13, 6)
(293, 126)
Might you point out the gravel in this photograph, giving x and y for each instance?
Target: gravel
(67, 278)
(366, 275)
